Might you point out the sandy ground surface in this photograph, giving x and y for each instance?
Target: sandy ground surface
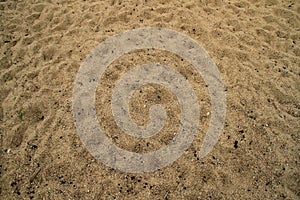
(255, 45)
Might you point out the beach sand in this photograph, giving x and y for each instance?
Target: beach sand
(254, 44)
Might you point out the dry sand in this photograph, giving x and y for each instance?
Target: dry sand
(255, 45)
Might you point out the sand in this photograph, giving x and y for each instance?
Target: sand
(255, 45)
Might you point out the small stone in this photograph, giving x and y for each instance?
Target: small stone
(236, 144)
